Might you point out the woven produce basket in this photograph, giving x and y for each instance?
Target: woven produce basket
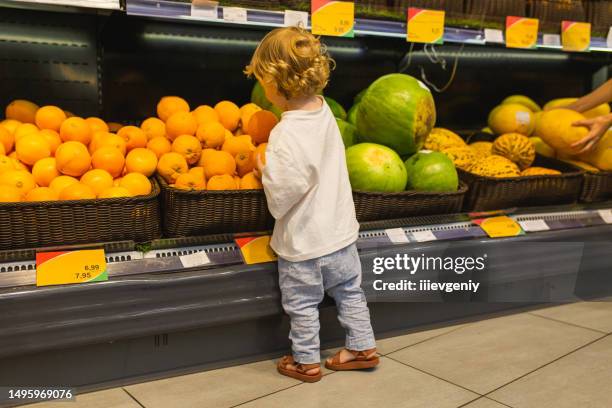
(57, 223)
(371, 206)
(596, 187)
(188, 213)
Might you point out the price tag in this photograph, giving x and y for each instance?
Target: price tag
(295, 18)
(534, 225)
(609, 38)
(521, 32)
(196, 259)
(205, 9)
(256, 249)
(498, 227)
(333, 18)
(552, 40)
(423, 236)
(397, 235)
(235, 14)
(61, 268)
(493, 36)
(575, 36)
(425, 26)
(605, 215)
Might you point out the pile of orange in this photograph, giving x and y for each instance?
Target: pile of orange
(47, 154)
(209, 148)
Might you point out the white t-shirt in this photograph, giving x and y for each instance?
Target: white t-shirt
(307, 186)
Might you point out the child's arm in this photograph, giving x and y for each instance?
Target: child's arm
(284, 183)
(603, 94)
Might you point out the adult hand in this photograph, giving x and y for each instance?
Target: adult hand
(597, 128)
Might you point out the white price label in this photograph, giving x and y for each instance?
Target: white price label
(205, 9)
(397, 235)
(235, 14)
(295, 18)
(534, 225)
(609, 39)
(423, 236)
(196, 259)
(553, 40)
(606, 215)
(493, 36)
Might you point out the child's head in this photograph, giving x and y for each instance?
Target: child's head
(290, 63)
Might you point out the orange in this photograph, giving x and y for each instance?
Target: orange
(223, 182)
(53, 138)
(238, 144)
(189, 147)
(115, 192)
(153, 128)
(76, 129)
(159, 146)
(10, 194)
(211, 134)
(97, 125)
(20, 179)
(246, 111)
(134, 137)
(6, 164)
(50, 117)
(260, 125)
(98, 179)
(189, 181)
(24, 129)
(169, 105)
(44, 171)
(95, 140)
(181, 123)
(112, 140)
(114, 127)
(206, 155)
(21, 110)
(250, 182)
(198, 171)
(259, 159)
(6, 139)
(205, 114)
(110, 159)
(77, 191)
(31, 148)
(2, 151)
(136, 184)
(42, 194)
(218, 164)
(18, 165)
(141, 160)
(72, 159)
(244, 163)
(61, 182)
(237, 181)
(229, 114)
(228, 135)
(117, 181)
(171, 165)
(10, 125)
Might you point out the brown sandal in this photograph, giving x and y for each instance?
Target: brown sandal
(300, 370)
(360, 362)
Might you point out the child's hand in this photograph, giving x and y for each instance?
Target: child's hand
(597, 128)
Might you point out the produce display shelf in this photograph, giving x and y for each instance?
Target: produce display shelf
(177, 10)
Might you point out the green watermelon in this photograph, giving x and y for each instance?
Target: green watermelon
(374, 167)
(336, 108)
(397, 111)
(431, 171)
(348, 132)
(359, 96)
(258, 97)
(351, 116)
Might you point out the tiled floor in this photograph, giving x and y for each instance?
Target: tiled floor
(556, 357)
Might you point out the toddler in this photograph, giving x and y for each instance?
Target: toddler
(308, 191)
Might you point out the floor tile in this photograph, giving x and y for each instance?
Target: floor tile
(112, 398)
(484, 402)
(594, 315)
(390, 385)
(581, 379)
(391, 344)
(216, 388)
(488, 354)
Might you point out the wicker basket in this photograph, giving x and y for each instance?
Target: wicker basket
(371, 206)
(58, 223)
(489, 193)
(596, 187)
(188, 213)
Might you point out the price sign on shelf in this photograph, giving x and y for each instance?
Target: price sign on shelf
(397, 235)
(61, 268)
(575, 36)
(205, 9)
(256, 249)
(425, 26)
(521, 32)
(333, 18)
(498, 227)
(295, 18)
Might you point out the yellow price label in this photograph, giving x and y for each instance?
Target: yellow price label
(425, 26)
(61, 268)
(498, 227)
(521, 32)
(333, 18)
(575, 36)
(256, 249)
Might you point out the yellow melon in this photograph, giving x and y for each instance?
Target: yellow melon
(556, 130)
(511, 118)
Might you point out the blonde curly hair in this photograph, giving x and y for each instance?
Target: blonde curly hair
(294, 59)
